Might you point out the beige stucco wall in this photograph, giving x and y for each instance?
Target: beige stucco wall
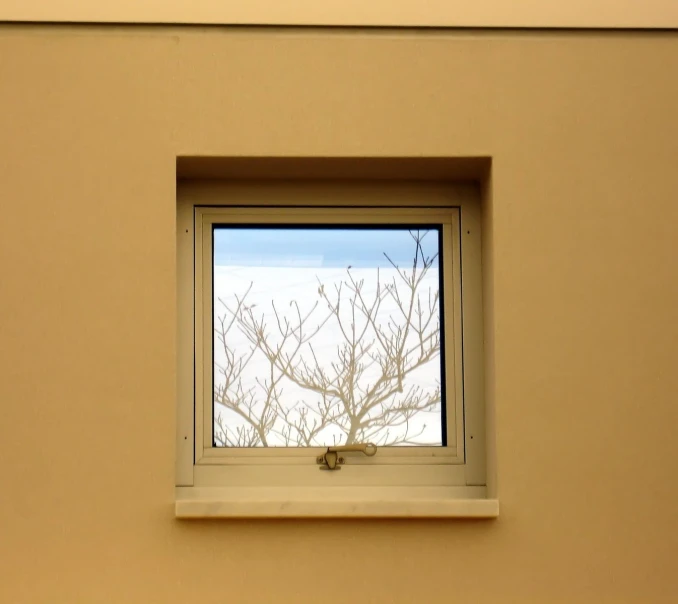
(662, 14)
(583, 130)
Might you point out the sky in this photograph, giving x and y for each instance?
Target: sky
(319, 247)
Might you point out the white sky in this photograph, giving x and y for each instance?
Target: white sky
(285, 284)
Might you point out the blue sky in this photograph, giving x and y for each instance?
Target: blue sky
(314, 247)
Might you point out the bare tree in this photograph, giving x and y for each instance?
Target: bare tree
(359, 391)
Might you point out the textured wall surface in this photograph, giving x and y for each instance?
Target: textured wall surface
(583, 131)
(662, 14)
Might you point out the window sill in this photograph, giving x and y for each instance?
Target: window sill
(336, 502)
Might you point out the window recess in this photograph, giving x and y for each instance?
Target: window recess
(330, 327)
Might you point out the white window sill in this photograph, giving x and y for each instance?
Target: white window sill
(336, 502)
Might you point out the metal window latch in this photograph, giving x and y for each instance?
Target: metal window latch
(330, 460)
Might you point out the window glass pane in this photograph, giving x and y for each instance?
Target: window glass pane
(327, 336)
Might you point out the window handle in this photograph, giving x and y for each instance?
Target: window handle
(330, 460)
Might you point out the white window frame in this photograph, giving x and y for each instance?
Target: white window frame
(216, 481)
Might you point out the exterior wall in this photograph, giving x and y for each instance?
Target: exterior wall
(656, 14)
(583, 132)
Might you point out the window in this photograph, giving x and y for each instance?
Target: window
(323, 335)
(315, 316)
